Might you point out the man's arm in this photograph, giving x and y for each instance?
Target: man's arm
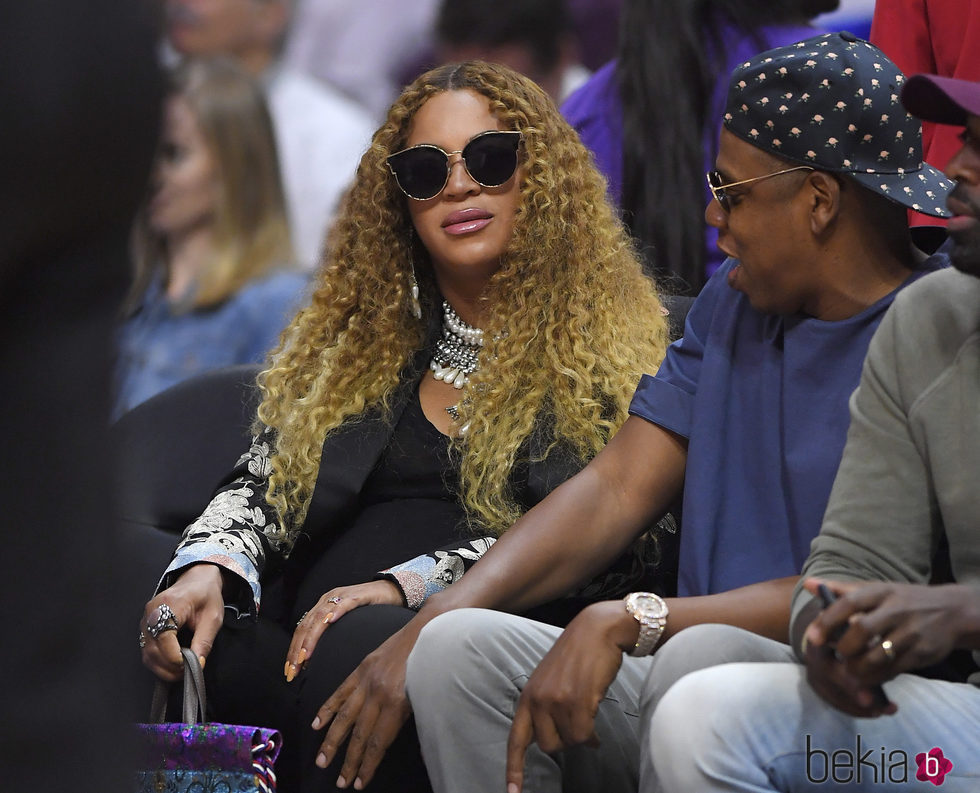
(883, 521)
(580, 528)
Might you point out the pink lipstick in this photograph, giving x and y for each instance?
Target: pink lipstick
(466, 221)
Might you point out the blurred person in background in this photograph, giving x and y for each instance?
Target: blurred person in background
(213, 284)
(368, 49)
(596, 24)
(651, 117)
(80, 91)
(321, 133)
(533, 37)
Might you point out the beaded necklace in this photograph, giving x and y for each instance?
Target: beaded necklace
(456, 355)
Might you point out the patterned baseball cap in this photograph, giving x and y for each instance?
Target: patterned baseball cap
(832, 102)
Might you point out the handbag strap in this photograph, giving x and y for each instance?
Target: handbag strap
(195, 698)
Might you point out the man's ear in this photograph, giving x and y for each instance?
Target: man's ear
(825, 197)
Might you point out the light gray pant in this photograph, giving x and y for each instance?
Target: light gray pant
(466, 675)
(751, 728)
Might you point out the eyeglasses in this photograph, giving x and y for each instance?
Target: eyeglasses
(422, 171)
(718, 187)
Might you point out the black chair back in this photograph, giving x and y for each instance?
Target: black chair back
(171, 452)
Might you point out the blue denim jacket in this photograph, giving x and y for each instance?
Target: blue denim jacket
(158, 348)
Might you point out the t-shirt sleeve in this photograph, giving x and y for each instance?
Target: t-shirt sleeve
(667, 398)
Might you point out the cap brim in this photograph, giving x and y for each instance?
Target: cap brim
(941, 99)
(924, 190)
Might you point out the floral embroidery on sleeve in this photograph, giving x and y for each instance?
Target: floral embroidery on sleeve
(237, 528)
(429, 573)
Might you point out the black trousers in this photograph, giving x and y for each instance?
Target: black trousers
(246, 685)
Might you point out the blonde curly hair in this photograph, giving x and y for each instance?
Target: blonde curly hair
(571, 321)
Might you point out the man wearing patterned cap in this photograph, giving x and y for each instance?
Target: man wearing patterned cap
(745, 422)
(886, 663)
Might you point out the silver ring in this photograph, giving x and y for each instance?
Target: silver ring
(142, 640)
(889, 649)
(334, 600)
(165, 621)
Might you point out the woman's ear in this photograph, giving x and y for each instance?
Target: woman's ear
(825, 197)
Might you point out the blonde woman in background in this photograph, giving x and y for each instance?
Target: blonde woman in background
(476, 333)
(214, 284)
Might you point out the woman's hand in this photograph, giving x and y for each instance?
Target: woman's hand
(371, 706)
(328, 609)
(558, 705)
(197, 604)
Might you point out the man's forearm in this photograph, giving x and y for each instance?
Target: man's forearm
(763, 608)
(580, 528)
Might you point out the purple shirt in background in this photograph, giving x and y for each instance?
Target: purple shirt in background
(596, 113)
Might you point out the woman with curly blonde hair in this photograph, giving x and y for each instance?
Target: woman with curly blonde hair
(478, 327)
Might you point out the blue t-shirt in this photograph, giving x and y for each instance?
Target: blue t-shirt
(158, 348)
(763, 402)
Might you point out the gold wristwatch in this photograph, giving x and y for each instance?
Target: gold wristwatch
(650, 611)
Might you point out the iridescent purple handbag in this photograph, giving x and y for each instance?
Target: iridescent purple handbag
(200, 757)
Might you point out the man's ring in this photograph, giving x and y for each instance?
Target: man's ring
(334, 600)
(889, 649)
(165, 621)
(142, 640)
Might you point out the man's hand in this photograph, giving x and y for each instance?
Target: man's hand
(875, 631)
(558, 706)
(370, 706)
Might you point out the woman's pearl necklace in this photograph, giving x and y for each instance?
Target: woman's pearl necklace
(456, 354)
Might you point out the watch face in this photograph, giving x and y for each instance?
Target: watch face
(648, 604)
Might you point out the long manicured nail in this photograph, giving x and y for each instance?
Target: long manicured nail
(302, 656)
(316, 725)
(341, 782)
(358, 784)
(290, 672)
(203, 660)
(321, 760)
(326, 620)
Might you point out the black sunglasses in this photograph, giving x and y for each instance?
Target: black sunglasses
(719, 188)
(422, 171)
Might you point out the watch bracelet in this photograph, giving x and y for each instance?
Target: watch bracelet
(651, 630)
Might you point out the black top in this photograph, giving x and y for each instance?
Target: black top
(408, 507)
